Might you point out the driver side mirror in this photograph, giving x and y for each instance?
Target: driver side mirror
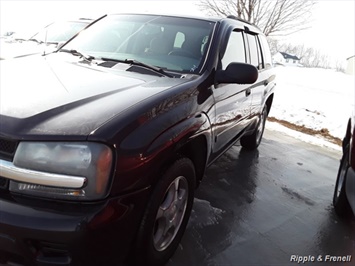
(240, 73)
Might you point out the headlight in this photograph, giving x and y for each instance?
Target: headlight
(61, 161)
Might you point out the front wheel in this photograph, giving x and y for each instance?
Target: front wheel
(167, 214)
(252, 141)
(340, 201)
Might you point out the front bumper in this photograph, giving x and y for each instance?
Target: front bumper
(39, 232)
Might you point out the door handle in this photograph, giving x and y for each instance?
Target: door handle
(247, 92)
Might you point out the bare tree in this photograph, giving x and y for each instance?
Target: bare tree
(273, 17)
(274, 45)
(309, 57)
(339, 66)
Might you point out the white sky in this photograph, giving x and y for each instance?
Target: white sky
(332, 30)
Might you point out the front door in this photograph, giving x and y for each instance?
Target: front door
(232, 101)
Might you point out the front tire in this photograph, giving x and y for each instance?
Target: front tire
(166, 215)
(252, 141)
(340, 201)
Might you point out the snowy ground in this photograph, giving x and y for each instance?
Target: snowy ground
(314, 98)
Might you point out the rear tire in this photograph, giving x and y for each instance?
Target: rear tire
(166, 215)
(252, 141)
(340, 201)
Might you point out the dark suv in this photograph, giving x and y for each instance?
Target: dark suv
(103, 143)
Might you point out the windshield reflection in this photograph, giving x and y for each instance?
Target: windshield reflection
(171, 43)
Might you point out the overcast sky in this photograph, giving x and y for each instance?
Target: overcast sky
(332, 29)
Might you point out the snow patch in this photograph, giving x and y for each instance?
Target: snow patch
(204, 214)
(315, 98)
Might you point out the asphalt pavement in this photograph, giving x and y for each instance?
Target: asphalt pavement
(272, 206)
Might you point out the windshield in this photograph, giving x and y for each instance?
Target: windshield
(170, 43)
(59, 31)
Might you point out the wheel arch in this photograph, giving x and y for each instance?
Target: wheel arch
(191, 138)
(196, 150)
(268, 102)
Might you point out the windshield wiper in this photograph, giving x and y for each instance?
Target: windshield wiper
(138, 63)
(35, 40)
(40, 42)
(88, 58)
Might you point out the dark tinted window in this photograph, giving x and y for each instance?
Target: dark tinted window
(235, 51)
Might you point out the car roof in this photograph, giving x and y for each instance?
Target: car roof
(228, 19)
(212, 19)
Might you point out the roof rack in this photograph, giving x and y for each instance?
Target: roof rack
(247, 29)
(240, 19)
(85, 19)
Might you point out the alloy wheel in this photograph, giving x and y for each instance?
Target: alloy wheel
(170, 213)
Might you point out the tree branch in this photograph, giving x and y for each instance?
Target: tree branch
(282, 17)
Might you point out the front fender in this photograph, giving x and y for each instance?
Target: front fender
(181, 133)
(142, 169)
(151, 140)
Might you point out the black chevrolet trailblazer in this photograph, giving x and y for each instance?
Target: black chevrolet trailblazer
(103, 142)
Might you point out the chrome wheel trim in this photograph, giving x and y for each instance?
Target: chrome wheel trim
(170, 214)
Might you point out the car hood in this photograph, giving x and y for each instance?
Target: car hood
(52, 96)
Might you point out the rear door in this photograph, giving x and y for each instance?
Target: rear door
(259, 89)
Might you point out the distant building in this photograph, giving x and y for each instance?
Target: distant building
(350, 65)
(286, 59)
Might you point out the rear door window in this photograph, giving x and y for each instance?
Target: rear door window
(266, 52)
(253, 50)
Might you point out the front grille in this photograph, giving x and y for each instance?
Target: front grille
(7, 149)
